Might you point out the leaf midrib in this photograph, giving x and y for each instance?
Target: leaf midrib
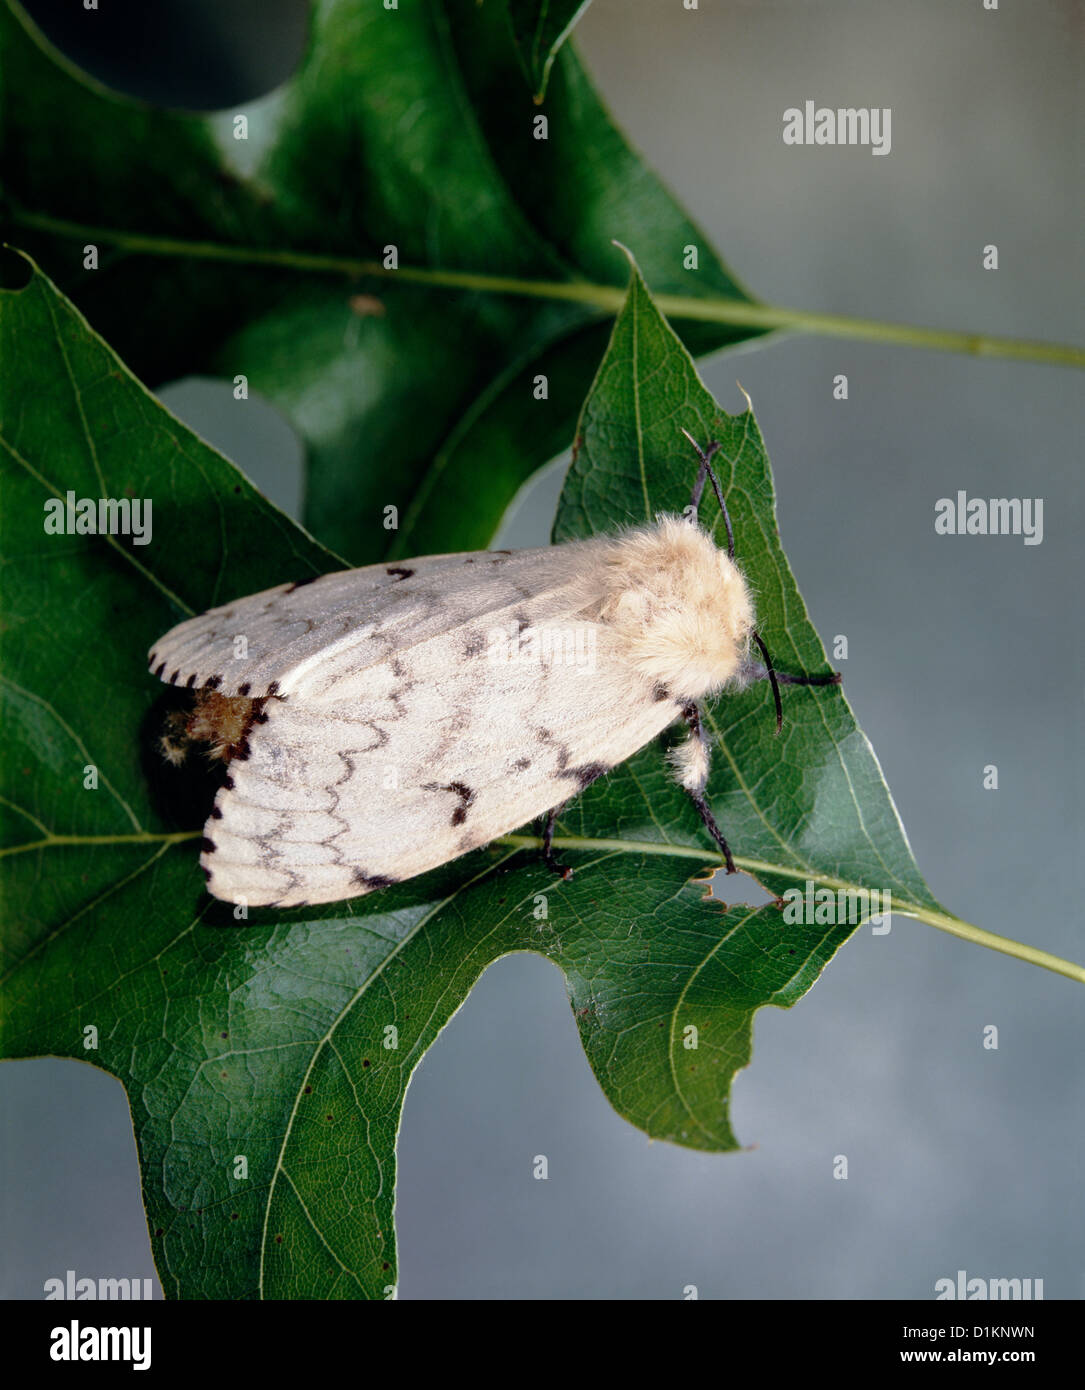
(581, 843)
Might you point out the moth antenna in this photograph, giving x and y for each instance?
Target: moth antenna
(833, 679)
(706, 469)
(771, 670)
(702, 473)
(754, 671)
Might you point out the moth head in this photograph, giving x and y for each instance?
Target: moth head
(679, 606)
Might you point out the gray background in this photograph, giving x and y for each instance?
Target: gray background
(963, 652)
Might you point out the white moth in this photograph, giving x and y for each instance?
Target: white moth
(388, 719)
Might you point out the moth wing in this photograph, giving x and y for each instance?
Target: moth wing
(305, 637)
(412, 761)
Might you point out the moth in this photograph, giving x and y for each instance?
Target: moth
(382, 721)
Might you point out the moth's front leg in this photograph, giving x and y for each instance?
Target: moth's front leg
(587, 777)
(548, 842)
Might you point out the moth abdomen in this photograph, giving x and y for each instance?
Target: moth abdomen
(222, 724)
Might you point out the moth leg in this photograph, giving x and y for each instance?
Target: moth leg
(548, 842)
(691, 762)
(586, 777)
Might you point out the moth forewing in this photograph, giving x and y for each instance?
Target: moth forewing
(411, 714)
(404, 715)
(339, 798)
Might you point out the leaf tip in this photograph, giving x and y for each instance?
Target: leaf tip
(17, 269)
(628, 255)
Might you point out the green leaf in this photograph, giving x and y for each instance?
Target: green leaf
(539, 28)
(410, 128)
(289, 1038)
(811, 802)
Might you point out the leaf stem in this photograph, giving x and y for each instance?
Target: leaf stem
(608, 299)
(943, 921)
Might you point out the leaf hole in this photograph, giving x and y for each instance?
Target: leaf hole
(251, 433)
(191, 57)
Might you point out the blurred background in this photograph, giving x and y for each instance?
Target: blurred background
(963, 652)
